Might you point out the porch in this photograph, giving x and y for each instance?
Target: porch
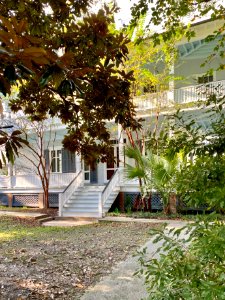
(69, 192)
(26, 190)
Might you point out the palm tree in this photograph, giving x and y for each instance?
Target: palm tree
(138, 171)
(155, 172)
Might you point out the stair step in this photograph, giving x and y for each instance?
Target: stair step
(83, 196)
(83, 210)
(79, 205)
(81, 214)
(84, 202)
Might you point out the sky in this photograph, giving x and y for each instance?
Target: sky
(124, 14)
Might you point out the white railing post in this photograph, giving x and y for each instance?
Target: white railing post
(60, 205)
(100, 205)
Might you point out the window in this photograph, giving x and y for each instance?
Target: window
(205, 79)
(56, 161)
(149, 88)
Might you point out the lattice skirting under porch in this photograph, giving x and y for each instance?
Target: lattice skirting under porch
(28, 200)
(156, 201)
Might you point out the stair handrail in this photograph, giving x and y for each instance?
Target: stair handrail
(69, 190)
(111, 184)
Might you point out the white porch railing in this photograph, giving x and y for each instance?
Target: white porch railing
(199, 92)
(33, 180)
(26, 181)
(61, 179)
(67, 193)
(5, 181)
(153, 100)
(114, 182)
(186, 94)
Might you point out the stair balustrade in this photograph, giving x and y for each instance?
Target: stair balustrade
(77, 182)
(111, 185)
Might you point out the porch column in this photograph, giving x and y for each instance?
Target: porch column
(10, 173)
(10, 200)
(121, 202)
(78, 163)
(41, 200)
(121, 146)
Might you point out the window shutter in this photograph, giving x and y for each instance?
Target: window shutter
(68, 161)
(46, 157)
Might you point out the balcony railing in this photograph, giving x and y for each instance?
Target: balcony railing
(199, 92)
(182, 95)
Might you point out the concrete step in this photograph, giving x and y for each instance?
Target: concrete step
(42, 216)
(46, 219)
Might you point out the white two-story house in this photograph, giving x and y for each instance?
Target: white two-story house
(81, 191)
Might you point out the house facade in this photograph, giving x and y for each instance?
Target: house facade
(81, 191)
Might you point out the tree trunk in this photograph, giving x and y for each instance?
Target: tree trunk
(171, 206)
(45, 186)
(149, 203)
(173, 203)
(46, 199)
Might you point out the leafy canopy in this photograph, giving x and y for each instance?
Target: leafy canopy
(67, 63)
(173, 17)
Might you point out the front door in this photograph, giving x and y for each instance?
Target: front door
(112, 163)
(90, 174)
(86, 169)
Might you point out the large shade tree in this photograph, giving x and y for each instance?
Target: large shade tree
(67, 63)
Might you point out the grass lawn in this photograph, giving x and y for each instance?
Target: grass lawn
(60, 263)
(161, 216)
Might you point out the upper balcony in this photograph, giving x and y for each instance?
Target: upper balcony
(183, 95)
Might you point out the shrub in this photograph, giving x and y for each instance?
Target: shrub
(191, 263)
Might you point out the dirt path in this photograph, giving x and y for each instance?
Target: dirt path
(60, 263)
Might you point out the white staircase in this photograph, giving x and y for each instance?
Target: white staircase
(91, 201)
(84, 202)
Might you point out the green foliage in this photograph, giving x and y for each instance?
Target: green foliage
(68, 63)
(202, 182)
(191, 260)
(190, 265)
(140, 170)
(175, 18)
(157, 171)
(145, 61)
(12, 142)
